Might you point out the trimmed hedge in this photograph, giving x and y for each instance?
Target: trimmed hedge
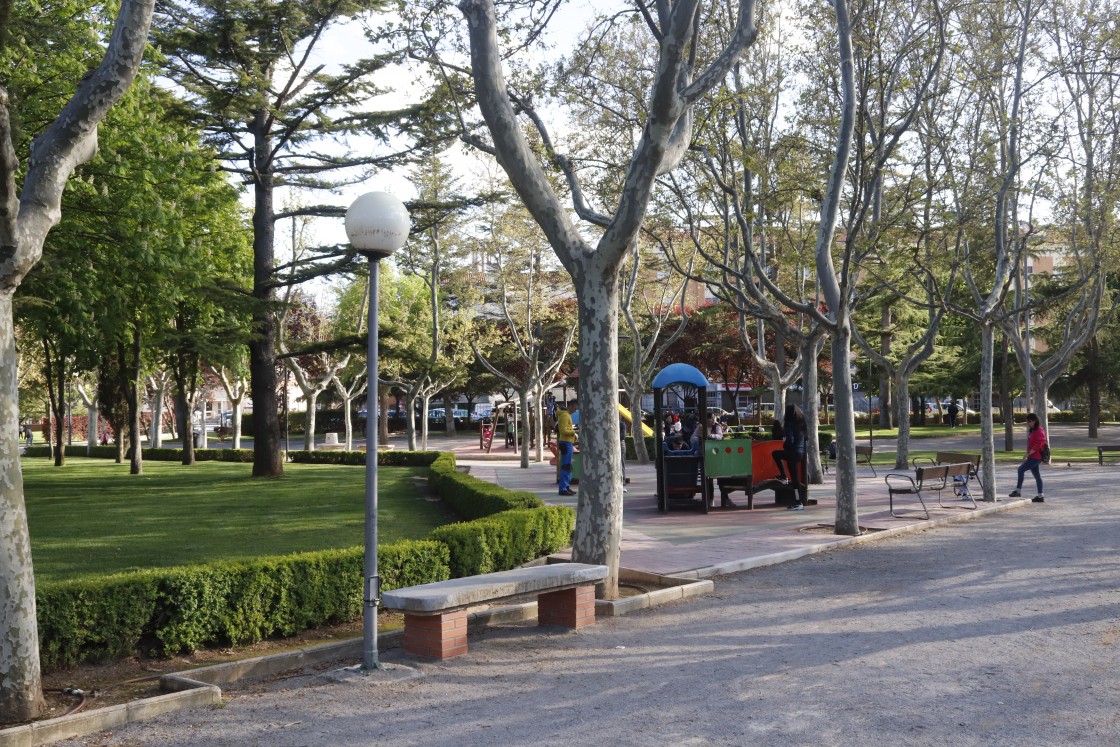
(168, 611)
(173, 610)
(472, 498)
(94, 620)
(390, 458)
(505, 540)
(154, 455)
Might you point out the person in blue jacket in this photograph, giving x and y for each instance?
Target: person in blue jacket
(791, 457)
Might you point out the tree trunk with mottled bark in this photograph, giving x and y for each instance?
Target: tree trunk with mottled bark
(26, 217)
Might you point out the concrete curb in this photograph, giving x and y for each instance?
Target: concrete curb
(190, 694)
(189, 689)
(232, 672)
(673, 590)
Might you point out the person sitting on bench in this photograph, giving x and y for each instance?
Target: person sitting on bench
(792, 453)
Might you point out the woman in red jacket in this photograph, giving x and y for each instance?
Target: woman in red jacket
(1036, 441)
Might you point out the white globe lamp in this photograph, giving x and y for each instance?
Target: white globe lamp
(377, 224)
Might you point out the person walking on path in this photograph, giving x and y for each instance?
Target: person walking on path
(953, 412)
(792, 453)
(1036, 442)
(566, 440)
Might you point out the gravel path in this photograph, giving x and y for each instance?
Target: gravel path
(1003, 631)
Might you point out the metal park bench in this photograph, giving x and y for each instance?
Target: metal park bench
(1102, 449)
(935, 478)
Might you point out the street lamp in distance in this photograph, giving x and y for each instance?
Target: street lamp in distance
(377, 224)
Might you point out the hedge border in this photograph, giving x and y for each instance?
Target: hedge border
(155, 455)
(173, 610)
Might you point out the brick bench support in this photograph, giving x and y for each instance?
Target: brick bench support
(570, 608)
(435, 620)
(436, 636)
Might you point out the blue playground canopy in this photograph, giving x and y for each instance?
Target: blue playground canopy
(676, 373)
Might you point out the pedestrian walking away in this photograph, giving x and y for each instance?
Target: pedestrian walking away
(953, 412)
(1036, 444)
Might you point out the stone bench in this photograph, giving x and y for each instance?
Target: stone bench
(435, 615)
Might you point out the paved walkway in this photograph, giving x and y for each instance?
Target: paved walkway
(688, 542)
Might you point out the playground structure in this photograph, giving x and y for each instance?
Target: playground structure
(731, 463)
(504, 424)
(680, 477)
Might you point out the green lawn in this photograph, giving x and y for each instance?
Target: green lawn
(91, 517)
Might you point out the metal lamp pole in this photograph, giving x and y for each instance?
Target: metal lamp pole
(377, 225)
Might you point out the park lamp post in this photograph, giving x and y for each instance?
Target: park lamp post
(377, 225)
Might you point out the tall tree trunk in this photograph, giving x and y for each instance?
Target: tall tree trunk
(236, 424)
(1007, 403)
(887, 341)
(902, 400)
(640, 452)
(130, 376)
(987, 432)
(267, 461)
(70, 140)
(21, 697)
(188, 435)
(810, 348)
(523, 399)
(599, 507)
(182, 415)
(54, 371)
(155, 427)
(311, 397)
(159, 403)
(847, 510)
(94, 425)
(382, 419)
(1093, 365)
(410, 419)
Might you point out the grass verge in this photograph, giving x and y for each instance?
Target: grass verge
(92, 518)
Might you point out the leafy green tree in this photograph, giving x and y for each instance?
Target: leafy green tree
(280, 120)
(27, 214)
(158, 232)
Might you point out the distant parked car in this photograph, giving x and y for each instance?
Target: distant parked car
(751, 411)
(437, 413)
(965, 409)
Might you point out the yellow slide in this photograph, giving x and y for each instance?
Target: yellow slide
(646, 430)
